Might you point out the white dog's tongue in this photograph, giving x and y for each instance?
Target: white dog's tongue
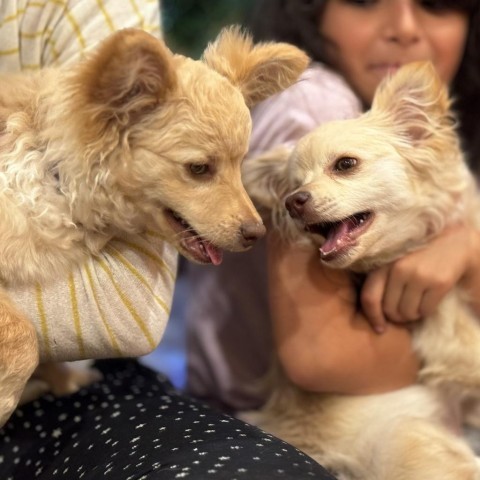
(334, 238)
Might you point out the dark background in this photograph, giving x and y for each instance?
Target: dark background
(188, 25)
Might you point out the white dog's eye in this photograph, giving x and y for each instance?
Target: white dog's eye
(199, 168)
(344, 163)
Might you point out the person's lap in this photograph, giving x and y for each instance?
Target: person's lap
(135, 425)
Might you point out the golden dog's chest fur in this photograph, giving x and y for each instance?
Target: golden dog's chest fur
(132, 138)
(40, 237)
(408, 181)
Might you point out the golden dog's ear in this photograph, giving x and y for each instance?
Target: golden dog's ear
(130, 72)
(259, 71)
(415, 100)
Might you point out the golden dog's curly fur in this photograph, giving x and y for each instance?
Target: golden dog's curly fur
(132, 138)
(367, 191)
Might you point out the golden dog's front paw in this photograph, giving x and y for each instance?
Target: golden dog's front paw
(18, 355)
(65, 379)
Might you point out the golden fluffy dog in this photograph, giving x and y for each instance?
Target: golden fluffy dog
(134, 137)
(366, 191)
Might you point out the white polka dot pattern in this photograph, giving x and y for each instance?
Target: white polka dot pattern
(134, 426)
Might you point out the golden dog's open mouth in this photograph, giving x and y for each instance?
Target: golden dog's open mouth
(340, 235)
(194, 245)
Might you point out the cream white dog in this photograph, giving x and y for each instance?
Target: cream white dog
(366, 191)
(134, 137)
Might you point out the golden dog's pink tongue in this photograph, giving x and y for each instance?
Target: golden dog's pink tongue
(334, 238)
(215, 254)
(202, 250)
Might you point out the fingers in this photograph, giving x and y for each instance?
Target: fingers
(392, 293)
(388, 296)
(371, 298)
(412, 287)
(430, 300)
(402, 301)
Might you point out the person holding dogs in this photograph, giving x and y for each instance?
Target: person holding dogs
(131, 423)
(330, 334)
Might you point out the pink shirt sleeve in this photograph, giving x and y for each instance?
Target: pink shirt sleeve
(319, 96)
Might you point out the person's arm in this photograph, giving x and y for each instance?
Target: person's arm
(470, 279)
(323, 341)
(116, 304)
(61, 33)
(412, 287)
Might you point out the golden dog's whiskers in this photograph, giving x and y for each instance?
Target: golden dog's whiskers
(188, 232)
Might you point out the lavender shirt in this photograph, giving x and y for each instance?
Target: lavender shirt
(229, 341)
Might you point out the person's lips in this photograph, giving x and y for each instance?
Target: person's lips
(384, 68)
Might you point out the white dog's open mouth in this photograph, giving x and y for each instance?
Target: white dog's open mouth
(198, 248)
(340, 235)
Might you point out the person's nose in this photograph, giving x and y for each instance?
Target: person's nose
(402, 23)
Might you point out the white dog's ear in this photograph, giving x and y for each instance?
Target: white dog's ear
(266, 178)
(259, 71)
(415, 100)
(129, 73)
(267, 181)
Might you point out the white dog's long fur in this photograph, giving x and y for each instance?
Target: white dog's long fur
(410, 174)
(134, 137)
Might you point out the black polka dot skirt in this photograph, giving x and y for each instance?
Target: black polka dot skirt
(134, 425)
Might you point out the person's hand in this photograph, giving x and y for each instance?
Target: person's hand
(413, 286)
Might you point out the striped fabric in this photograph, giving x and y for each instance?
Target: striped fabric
(118, 303)
(37, 33)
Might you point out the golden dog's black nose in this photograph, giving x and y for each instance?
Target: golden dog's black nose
(251, 232)
(295, 203)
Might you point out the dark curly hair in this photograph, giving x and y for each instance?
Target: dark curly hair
(296, 22)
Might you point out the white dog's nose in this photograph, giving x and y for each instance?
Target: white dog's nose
(295, 203)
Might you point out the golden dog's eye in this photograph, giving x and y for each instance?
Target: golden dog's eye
(199, 168)
(345, 163)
